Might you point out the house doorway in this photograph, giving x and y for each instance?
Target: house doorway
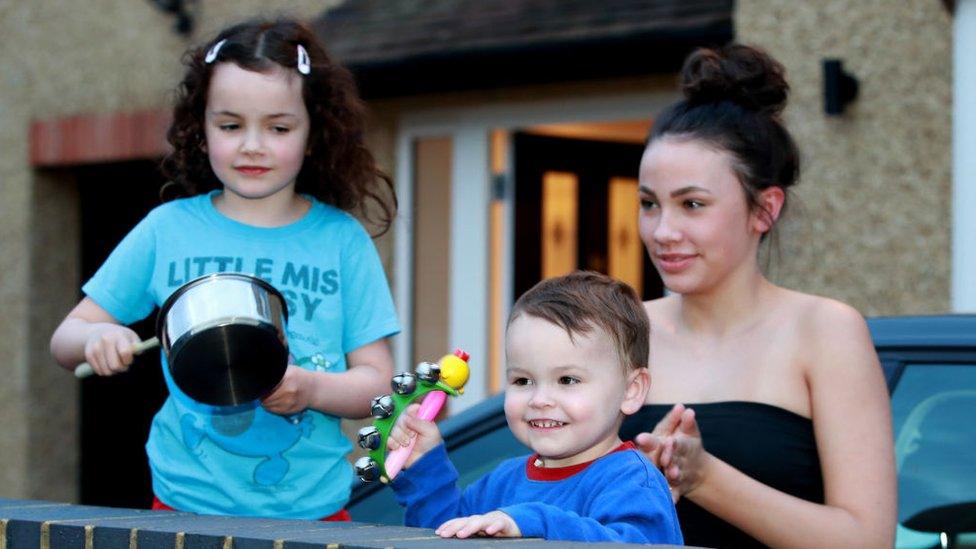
(116, 411)
(486, 237)
(576, 207)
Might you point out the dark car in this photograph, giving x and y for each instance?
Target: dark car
(930, 365)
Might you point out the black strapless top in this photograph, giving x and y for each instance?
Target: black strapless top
(768, 443)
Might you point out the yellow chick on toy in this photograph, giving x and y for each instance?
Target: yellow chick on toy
(454, 370)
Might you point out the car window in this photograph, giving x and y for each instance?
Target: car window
(480, 457)
(472, 460)
(933, 408)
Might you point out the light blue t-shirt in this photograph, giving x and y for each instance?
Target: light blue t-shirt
(244, 460)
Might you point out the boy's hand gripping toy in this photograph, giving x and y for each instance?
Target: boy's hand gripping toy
(432, 382)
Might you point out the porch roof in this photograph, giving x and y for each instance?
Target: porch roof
(407, 47)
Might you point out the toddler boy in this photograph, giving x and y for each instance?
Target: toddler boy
(576, 354)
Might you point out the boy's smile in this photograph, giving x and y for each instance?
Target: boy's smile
(545, 424)
(565, 397)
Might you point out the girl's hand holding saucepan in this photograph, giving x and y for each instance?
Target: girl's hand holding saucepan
(409, 427)
(291, 394)
(675, 446)
(108, 348)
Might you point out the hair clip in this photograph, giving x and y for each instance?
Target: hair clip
(304, 63)
(212, 53)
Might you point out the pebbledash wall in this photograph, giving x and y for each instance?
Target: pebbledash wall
(873, 219)
(870, 225)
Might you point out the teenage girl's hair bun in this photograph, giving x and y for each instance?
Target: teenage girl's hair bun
(740, 74)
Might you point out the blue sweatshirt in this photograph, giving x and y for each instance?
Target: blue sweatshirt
(618, 497)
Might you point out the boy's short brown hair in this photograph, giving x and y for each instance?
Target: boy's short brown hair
(583, 299)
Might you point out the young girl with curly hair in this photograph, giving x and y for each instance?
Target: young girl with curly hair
(268, 145)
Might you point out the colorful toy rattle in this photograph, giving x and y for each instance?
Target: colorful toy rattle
(432, 382)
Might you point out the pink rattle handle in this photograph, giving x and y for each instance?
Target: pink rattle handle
(432, 404)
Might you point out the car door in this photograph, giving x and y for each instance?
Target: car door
(930, 365)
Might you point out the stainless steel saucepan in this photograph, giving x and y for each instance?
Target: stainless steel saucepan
(224, 338)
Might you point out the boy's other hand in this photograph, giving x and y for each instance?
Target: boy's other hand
(109, 349)
(496, 524)
(291, 394)
(409, 427)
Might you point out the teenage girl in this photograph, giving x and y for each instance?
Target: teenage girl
(784, 438)
(267, 143)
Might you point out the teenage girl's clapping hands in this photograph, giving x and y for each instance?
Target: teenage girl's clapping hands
(675, 446)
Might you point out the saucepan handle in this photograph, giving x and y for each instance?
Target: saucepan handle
(84, 369)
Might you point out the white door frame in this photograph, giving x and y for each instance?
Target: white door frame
(963, 294)
(469, 130)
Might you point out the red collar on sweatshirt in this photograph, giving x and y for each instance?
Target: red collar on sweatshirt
(535, 472)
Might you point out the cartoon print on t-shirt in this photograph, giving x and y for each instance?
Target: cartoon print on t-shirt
(316, 362)
(244, 434)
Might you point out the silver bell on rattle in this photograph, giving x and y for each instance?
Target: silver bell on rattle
(382, 407)
(366, 469)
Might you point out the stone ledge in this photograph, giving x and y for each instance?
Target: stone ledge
(44, 524)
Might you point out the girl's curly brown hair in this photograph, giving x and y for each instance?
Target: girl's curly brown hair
(339, 170)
